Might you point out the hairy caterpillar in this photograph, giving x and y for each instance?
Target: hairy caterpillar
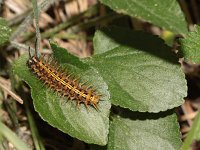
(61, 82)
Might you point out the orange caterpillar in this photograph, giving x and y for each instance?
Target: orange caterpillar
(62, 83)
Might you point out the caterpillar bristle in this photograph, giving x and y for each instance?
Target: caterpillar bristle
(95, 106)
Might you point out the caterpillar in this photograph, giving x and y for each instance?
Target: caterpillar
(61, 82)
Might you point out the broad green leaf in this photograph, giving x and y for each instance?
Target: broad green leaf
(194, 133)
(5, 31)
(141, 71)
(90, 125)
(153, 133)
(166, 14)
(190, 45)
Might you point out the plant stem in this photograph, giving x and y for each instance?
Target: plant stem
(37, 28)
(66, 35)
(28, 20)
(194, 132)
(75, 19)
(12, 137)
(90, 12)
(102, 19)
(35, 135)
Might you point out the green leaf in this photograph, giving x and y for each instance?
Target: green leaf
(90, 125)
(155, 132)
(190, 45)
(62, 57)
(194, 133)
(166, 14)
(5, 32)
(141, 71)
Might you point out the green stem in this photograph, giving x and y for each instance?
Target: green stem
(16, 20)
(102, 19)
(36, 16)
(12, 137)
(28, 20)
(3, 143)
(51, 32)
(11, 108)
(66, 35)
(194, 132)
(73, 20)
(35, 135)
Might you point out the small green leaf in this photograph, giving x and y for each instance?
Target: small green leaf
(190, 45)
(153, 133)
(90, 126)
(166, 14)
(5, 31)
(141, 71)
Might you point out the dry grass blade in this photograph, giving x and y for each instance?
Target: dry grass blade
(28, 20)
(12, 94)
